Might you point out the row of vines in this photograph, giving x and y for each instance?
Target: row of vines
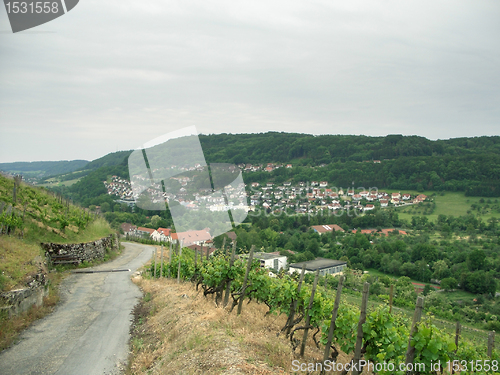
(19, 203)
(377, 335)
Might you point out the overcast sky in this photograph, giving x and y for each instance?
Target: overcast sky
(111, 75)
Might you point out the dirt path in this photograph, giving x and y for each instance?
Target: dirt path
(88, 333)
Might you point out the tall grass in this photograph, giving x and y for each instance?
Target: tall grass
(16, 262)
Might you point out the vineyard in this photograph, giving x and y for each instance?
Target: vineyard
(30, 215)
(375, 339)
(38, 215)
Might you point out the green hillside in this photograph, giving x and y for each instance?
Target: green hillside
(468, 165)
(109, 160)
(33, 216)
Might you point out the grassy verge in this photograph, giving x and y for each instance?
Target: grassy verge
(36, 233)
(11, 327)
(17, 262)
(178, 331)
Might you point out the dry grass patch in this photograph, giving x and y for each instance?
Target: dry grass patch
(179, 331)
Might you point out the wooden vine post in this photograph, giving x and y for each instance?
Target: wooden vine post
(335, 311)
(391, 296)
(152, 269)
(154, 252)
(161, 262)
(362, 320)
(410, 353)
(491, 343)
(169, 259)
(308, 316)
(224, 250)
(293, 305)
(228, 286)
(17, 182)
(244, 287)
(457, 335)
(179, 266)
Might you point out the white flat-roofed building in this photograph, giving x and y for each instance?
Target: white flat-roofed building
(271, 260)
(325, 266)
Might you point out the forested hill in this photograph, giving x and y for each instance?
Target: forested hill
(471, 165)
(286, 147)
(109, 160)
(42, 169)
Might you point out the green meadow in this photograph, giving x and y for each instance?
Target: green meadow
(451, 203)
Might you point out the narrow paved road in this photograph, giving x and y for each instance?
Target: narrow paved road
(88, 333)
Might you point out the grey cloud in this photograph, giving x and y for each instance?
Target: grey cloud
(134, 70)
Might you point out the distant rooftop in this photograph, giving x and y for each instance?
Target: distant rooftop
(327, 228)
(318, 264)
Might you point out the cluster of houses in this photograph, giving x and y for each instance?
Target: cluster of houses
(119, 187)
(269, 167)
(194, 237)
(300, 198)
(305, 198)
(234, 195)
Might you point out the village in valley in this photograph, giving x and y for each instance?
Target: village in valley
(303, 198)
(315, 197)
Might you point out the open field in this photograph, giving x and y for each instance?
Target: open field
(452, 203)
(55, 182)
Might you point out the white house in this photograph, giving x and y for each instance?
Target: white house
(271, 260)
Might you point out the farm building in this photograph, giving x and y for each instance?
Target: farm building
(325, 266)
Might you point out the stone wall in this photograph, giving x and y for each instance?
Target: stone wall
(20, 300)
(81, 252)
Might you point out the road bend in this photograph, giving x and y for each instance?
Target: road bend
(88, 333)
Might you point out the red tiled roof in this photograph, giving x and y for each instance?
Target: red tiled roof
(327, 228)
(165, 231)
(190, 237)
(148, 230)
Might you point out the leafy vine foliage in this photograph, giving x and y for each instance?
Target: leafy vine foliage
(385, 335)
